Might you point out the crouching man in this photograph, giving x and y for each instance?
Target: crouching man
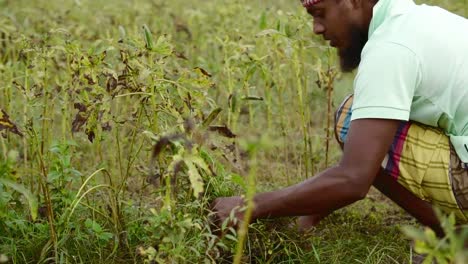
(405, 128)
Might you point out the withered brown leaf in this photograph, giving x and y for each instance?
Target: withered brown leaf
(223, 130)
(7, 124)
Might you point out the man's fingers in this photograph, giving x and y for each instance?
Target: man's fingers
(214, 204)
(227, 212)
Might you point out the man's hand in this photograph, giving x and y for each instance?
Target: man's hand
(228, 209)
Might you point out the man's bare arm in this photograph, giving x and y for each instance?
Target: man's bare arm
(367, 143)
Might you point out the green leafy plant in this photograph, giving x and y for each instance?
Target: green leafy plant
(448, 249)
(124, 125)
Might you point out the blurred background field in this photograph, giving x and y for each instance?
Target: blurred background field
(222, 89)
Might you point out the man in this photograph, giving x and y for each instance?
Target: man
(407, 132)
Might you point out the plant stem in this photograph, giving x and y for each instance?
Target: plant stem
(251, 190)
(331, 74)
(300, 94)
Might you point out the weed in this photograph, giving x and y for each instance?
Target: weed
(120, 122)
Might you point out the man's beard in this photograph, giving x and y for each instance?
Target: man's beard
(350, 57)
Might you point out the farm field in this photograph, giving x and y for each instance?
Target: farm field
(121, 121)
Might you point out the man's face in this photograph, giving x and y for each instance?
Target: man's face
(333, 21)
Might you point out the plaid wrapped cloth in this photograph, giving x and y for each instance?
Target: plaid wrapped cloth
(421, 159)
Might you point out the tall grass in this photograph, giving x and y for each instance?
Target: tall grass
(133, 115)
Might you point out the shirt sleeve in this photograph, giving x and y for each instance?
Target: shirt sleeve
(386, 82)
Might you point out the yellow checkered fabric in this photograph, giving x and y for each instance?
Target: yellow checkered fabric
(421, 159)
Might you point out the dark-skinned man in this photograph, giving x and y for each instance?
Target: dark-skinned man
(405, 128)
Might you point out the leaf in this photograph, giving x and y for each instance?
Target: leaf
(200, 163)
(78, 122)
(80, 118)
(203, 71)
(106, 236)
(90, 133)
(231, 237)
(223, 130)
(232, 100)
(148, 37)
(268, 32)
(414, 233)
(180, 55)
(53, 176)
(163, 142)
(237, 179)
(122, 33)
(93, 225)
(81, 107)
(158, 148)
(195, 178)
(12, 157)
(163, 47)
(263, 22)
(176, 165)
(428, 260)
(6, 124)
(252, 98)
(316, 254)
(98, 48)
(91, 125)
(26, 193)
(112, 83)
(211, 117)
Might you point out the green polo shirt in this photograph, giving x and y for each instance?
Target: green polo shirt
(415, 67)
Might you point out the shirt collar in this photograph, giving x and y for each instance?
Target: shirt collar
(385, 9)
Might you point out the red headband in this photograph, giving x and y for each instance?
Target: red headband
(310, 3)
